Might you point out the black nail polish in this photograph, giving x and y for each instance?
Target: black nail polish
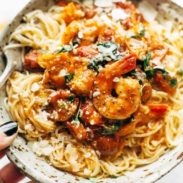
(9, 128)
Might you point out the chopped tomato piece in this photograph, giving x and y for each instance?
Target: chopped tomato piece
(77, 130)
(86, 51)
(90, 115)
(108, 146)
(164, 83)
(31, 60)
(126, 5)
(158, 109)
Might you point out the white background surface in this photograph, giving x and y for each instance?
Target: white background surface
(8, 10)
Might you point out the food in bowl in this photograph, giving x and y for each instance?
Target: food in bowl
(101, 89)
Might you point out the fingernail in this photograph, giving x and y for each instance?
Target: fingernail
(9, 128)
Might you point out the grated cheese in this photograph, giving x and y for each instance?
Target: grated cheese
(63, 73)
(116, 80)
(96, 93)
(118, 14)
(35, 87)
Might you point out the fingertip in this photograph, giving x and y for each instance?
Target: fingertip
(8, 132)
(10, 174)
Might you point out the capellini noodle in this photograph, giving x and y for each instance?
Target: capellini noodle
(76, 28)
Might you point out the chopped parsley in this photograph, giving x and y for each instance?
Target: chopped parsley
(140, 82)
(108, 51)
(94, 66)
(63, 106)
(133, 72)
(150, 73)
(173, 82)
(69, 77)
(163, 71)
(71, 98)
(65, 48)
(76, 120)
(110, 130)
(140, 34)
(146, 60)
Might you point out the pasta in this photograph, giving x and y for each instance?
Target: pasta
(101, 91)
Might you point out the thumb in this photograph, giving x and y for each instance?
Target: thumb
(8, 133)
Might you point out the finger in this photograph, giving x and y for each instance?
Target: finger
(8, 132)
(2, 153)
(10, 174)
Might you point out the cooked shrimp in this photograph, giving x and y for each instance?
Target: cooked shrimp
(126, 90)
(64, 70)
(63, 105)
(82, 82)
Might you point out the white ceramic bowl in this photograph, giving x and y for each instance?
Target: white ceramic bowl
(41, 171)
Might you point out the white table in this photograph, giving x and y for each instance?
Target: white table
(8, 10)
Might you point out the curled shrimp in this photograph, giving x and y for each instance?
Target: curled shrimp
(117, 100)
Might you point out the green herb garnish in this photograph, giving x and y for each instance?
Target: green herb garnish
(149, 73)
(140, 82)
(133, 72)
(71, 98)
(108, 51)
(69, 77)
(76, 120)
(63, 106)
(94, 66)
(173, 82)
(140, 34)
(106, 44)
(65, 48)
(110, 130)
(163, 71)
(146, 60)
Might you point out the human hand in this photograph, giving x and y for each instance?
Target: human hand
(9, 173)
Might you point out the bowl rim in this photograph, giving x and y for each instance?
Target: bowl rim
(3, 41)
